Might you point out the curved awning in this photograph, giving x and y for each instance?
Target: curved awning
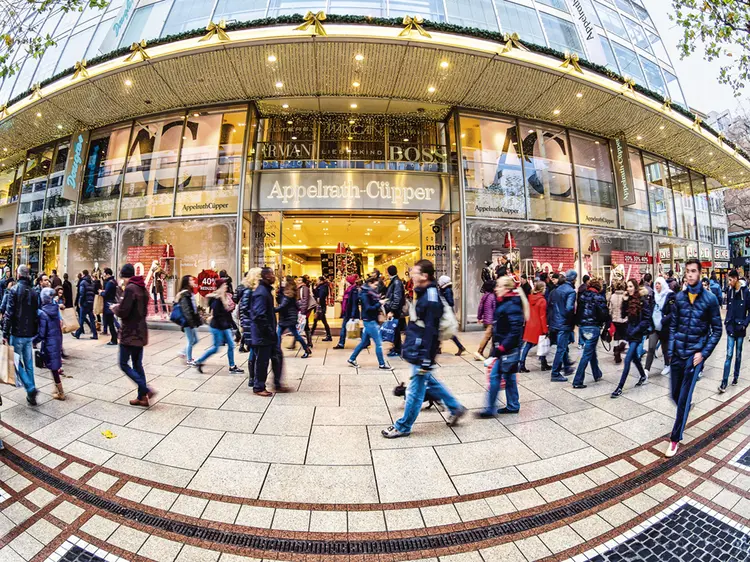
(479, 74)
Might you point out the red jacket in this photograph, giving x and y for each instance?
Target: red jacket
(536, 325)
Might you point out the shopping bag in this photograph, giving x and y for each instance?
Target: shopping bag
(69, 321)
(353, 329)
(7, 365)
(98, 305)
(388, 330)
(543, 346)
(301, 319)
(38, 359)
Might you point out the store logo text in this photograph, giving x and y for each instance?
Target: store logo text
(584, 19)
(348, 190)
(123, 18)
(77, 160)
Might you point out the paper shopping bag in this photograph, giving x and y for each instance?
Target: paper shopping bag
(7, 365)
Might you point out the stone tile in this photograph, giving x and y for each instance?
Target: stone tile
(102, 481)
(742, 508)
(222, 512)
(444, 514)
(401, 519)
(554, 491)
(196, 399)
(590, 527)
(560, 539)
(562, 463)
(472, 457)
(291, 520)
(262, 448)
(99, 527)
(727, 499)
(683, 477)
(64, 431)
(131, 442)
(526, 499)
(702, 465)
(660, 492)
(473, 510)
(507, 552)
(708, 489)
(67, 512)
(601, 475)
(189, 505)
(108, 412)
(191, 553)
(286, 420)
(222, 420)
(17, 512)
(533, 548)
(133, 491)
(7, 554)
(320, 484)
(621, 467)
(254, 516)
(623, 408)
(500, 505)
(618, 514)
(128, 538)
(640, 503)
(44, 531)
(160, 418)
(40, 497)
(645, 457)
(366, 521)
(328, 522)
(338, 445)
(26, 546)
(75, 470)
(411, 474)
(18, 483)
(88, 453)
(352, 415)
(586, 420)
(546, 438)
(160, 499)
(319, 399)
(579, 483)
(487, 480)
(426, 434)
(481, 430)
(725, 474)
(159, 549)
(156, 472)
(645, 428)
(52, 460)
(229, 477)
(185, 447)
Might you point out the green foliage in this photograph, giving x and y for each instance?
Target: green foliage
(722, 29)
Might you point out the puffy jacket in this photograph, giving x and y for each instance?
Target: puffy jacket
(738, 312)
(695, 327)
(86, 293)
(245, 312)
(615, 307)
(21, 318)
(508, 326)
(352, 305)
(187, 305)
(592, 309)
(50, 334)
(370, 303)
(304, 302)
(716, 290)
(321, 294)
(423, 332)
(132, 310)
(638, 326)
(109, 295)
(287, 310)
(68, 293)
(4, 285)
(348, 295)
(262, 316)
(561, 307)
(239, 293)
(221, 318)
(536, 325)
(447, 293)
(486, 310)
(395, 296)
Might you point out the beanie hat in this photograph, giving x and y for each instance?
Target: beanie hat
(127, 271)
(444, 280)
(571, 275)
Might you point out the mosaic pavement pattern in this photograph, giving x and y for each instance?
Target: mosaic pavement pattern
(211, 472)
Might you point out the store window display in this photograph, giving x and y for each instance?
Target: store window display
(683, 202)
(635, 216)
(612, 254)
(10, 184)
(702, 212)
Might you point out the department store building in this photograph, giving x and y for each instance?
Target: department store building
(195, 136)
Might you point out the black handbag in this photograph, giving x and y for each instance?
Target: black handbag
(39, 359)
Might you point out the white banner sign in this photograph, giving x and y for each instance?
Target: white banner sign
(584, 18)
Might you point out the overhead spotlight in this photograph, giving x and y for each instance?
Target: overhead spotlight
(639, 137)
(579, 95)
(353, 106)
(431, 89)
(285, 106)
(289, 122)
(271, 58)
(38, 114)
(128, 82)
(444, 64)
(279, 85)
(359, 58)
(59, 127)
(351, 121)
(556, 112)
(355, 84)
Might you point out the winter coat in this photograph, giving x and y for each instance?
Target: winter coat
(239, 293)
(221, 318)
(21, 318)
(68, 293)
(695, 327)
(423, 340)
(304, 302)
(370, 303)
(132, 311)
(447, 293)
(508, 325)
(288, 311)
(86, 293)
(716, 290)
(262, 317)
(592, 309)
(640, 324)
(55, 281)
(561, 307)
(536, 325)
(738, 312)
(4, 285)
(615, 307)
(352, 305)
(395, 296)
(109, 295)
(50, 334)
(345, 300)
(486, 310)
(245, 312)
(189, 311)
(321, 294)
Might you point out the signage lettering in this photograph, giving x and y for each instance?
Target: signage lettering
(77, 160)
(74, 167)
(580, 11)
(123, 17)
(412, 154)
(348, 190)
(623, 175)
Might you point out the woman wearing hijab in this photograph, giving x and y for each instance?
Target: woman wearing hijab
(660, 320)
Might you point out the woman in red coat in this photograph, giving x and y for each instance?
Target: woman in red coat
(536, 325)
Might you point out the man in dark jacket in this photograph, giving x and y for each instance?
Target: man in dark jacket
(109, 295)
(132, 311)
(263, 337)
(592, 314)
(67, 291)
(320, 294)
(85, 298)
(20, 326)
(55, 280)
(239, 293)
(713, 284)
(736, 321)
(561, 321)
(394, 302)
(420, 348)
(693, 334)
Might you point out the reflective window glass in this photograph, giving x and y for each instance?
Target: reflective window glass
(562, 35)
(611, 20)
(360, 144)
(146, 23)
(635, 216)
(629, 63)
(58, 211)
(625, 6)
(28, 252)
(643, 15)
(68, 21)
(637, 35)
(103, 175)
(287, 7)
(472, 13)
(673, 85)
(493, 175)
(654, 77)
(186, 15)
(559, 4)
(151, 169)
(49, 61)
(287, 142)
(75, 49)
(416, 145)
(610, 254)
(520, 19)
(607, 48)
(23, 82)
(428, 9)
(702, 213)
(31, 205)
(240, 10)
(374, 8)
(8, 185)
(657, 46)
(660, 196)
(595, 186)
(548, 172)
(683, 202)
(95, 46)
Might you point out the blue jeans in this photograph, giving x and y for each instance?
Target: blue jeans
(631, 357)
(221, 337)
(590, 335)
(525, 351)
(23, 349)
(732, 341)
(136, 372)
(418, 385)
(370, 332)
(342, 333)
(292, 330)
(192, 338)
(505, 367)
(564, 337)
(86, 315)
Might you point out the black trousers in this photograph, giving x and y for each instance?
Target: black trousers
(323, 320)
(397, 335)
(109, 325)
(683, 378)
(264, 354)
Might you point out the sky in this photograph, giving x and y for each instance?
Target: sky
(699, 78)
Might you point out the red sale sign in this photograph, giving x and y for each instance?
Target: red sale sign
(550, 259)
(207, 281)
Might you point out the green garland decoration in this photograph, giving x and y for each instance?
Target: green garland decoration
(494, 36)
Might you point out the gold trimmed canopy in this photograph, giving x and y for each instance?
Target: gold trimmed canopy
(441, 69)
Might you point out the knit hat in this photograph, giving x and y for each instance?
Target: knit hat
(127, 271)
(444, 280)
(571, 275)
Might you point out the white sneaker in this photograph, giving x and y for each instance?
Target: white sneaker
(392, 433)
(665, 371)
(671, 449)
(478, 356)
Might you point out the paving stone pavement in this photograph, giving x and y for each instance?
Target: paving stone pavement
(311, 463)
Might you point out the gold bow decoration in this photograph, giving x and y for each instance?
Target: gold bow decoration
(697, 122)
(721, 135)
(413, 22)
(667, 105)
(137, 49)
(37, 91)
(629, 84)
(216, 29)
(3, 111)
(571, 60)
(315, 21)
(80, 68)
(512, 41)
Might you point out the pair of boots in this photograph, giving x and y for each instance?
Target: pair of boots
(542, 360)
(59, 393)
(618, 350)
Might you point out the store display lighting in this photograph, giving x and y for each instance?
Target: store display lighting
(285, 106)
(59, 127)
(289, 122)
(639, 137)
(579, 95)
(353, 106)
(38, 114)
(351, 121)
(556, 112)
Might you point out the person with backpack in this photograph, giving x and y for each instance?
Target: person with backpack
(185, 314)
(561, 321)
(510, 314)
(423, 335)
(591, 315)
(50, 336)
(446, 292)
(20, 327)
(221, 305)
(371, 307)
(636, 309)
(736, 322)
(85, 300)
(109, 295)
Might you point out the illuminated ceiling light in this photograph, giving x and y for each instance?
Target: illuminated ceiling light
(359, 57)
(294, 138)
(128, 82)
(710, 153)
(279, 85)
(5, 149)
(691, 159)
(289, 122)
(196, 114)
(661, 127)
(431, 89)
(444, 64)
(59, 127)
(355, 84)
(353, 106)
(351, 121)
(349, 138)
(593, 159)
(285, 106)
(556, 112)
(406, 140)
(463, 135)
(639, 137)
(271, 58)
(579, 95)
(596, 142)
